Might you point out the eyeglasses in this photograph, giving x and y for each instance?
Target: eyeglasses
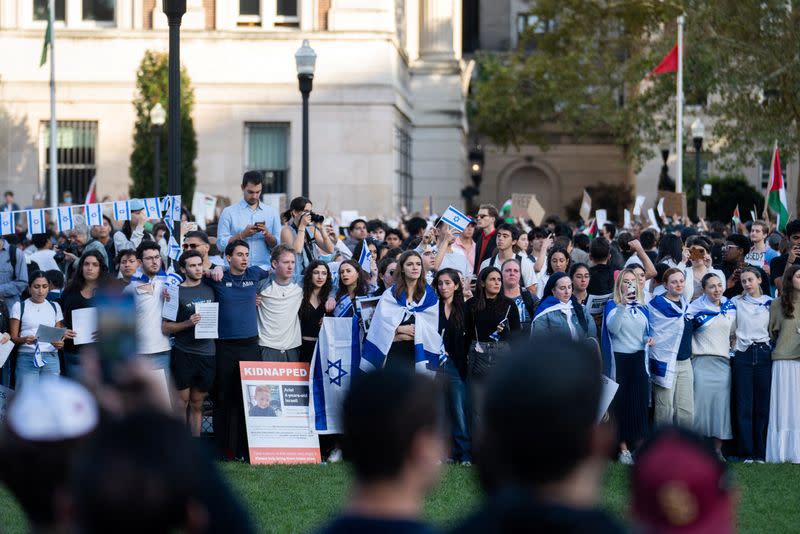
(151, 258)
(481, 216)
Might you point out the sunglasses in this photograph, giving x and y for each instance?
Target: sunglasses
(192, 246)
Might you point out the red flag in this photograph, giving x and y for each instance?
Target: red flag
(668, 64)
(91, 195)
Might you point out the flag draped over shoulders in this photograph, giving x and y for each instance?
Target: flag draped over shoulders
(702, 311)
(667, 324)
(607, 344)
(388, 315)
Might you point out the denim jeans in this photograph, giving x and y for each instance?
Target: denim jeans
(752, 380)
(28, 373)
(72, 364)
(457, 407)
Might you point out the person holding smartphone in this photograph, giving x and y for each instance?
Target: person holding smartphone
(626, 334)
(792, 257)
(698, 254)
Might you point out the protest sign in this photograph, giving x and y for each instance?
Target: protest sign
(674, 203)
(586, 206)
(660, 207)
(637, 207)
(606, 396)
(519, 205)
(653, 221)
(627, 218)
(601, 216)
(535, 211)
(203, 206)
(275, 396)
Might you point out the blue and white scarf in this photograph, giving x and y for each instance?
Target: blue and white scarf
(551, 305)
(702, 311)
(666, 324)
(344, 307)
(607, 346)
(388, 315)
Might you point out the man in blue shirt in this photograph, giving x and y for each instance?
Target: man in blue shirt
(13, 281)
(250, 220)
(235, 289)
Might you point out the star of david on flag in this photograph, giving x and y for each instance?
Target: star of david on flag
(64, 221)
(456, 219)
(94, 214)
(335, 372)
(122, 210)
(36, 223)
(152, 208)
(7, 223)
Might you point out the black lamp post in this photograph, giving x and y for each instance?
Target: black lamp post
(174, 10)
(306, 59)
(698, 132)
(157, 118)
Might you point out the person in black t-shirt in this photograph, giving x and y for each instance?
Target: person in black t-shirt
(395, 467)
(778, 265)
(544, 475)
(737, 246)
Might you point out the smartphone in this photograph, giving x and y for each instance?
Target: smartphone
(116, 328)
(260, 225)
(697, 254)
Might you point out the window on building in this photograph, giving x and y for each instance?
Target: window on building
(76, 144)
(765, 165)
(99, 10)
(249, 13)
(529, 26)
(267, 150)
(40, 9)
(286, 13)
(402, 167)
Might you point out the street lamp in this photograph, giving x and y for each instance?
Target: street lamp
(174, 10)
(306, 59)
(698, 132)
(158, 116)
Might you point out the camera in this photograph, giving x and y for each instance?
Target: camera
(316, 218)
(72, 248)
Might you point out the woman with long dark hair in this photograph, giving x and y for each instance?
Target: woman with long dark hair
(352, 284)
(303, 234)
(133, 231)
(386, 269)
(670, 251)
(558, 261)
(452, 326)
(79, 294)
(580, 275)
(783, 434)
(404, 327)
(317, 286)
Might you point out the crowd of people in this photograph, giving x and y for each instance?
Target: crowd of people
(694, 322)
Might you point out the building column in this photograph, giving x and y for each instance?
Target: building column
(436, 29)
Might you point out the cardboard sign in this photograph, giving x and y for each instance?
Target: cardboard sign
(674, 203)
(519, 205)
(586, 206)
(637, 207)
(536, 211)
(275, 396)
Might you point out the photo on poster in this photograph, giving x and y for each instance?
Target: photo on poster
(264, 401)
(366, 309)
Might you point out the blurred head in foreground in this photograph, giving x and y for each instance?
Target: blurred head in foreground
(393, 431)
(47, 423)
(680, 486)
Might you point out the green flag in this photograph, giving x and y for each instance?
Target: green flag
(48, 39)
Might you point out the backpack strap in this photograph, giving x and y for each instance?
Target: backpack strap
(22, 308)
(12, 258)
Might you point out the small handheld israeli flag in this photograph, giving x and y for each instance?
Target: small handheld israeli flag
(94, 214)
(173, 278)
(365, 258)
(7, 223)
(175, 208)
(151, 208)
(456, 219)
(174, 249)
(36, 224)
(122, 210)
(38, 361)
(64, 221)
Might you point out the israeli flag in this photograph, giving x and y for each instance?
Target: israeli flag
(7, 223)
(365, 258)
(456, 219)
(152, 208)
(38, 360)
(388, 315)
(173, 278)
(64, 221)
(36, 222)
(336, 358)
(173, 249)
(175, 208)
(94, 214)
(122, 210)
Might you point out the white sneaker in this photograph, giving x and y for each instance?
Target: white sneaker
(625, 457)
(335, 456)
(748, 461)
(721, 456)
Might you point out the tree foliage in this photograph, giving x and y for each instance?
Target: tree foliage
(581, 70)
(615, 197)
(152, 85)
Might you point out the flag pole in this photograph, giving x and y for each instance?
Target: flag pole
(678, 113)
(51, 15)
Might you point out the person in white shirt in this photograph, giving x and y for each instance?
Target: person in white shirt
(44, 254)
(506, 237)
(36, 358)
(760, 254)
(279, 336)
(148, 289)
(752, 367)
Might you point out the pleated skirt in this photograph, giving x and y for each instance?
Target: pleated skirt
(631, 401)
(783, 434)
(712, 396)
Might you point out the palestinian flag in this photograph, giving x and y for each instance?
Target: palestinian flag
(776, 192)
(736, 218)
(591, 230)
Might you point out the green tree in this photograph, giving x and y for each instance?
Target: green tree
(151, 87)
(580, 69)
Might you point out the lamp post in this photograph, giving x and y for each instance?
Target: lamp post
(306, 58)
(174, 10)
(157, 118)
(698, 132)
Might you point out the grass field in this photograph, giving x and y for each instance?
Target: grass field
(298, 498)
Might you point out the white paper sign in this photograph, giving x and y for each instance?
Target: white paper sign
(595, 304)
(602, 217)
(349, 216)
(5, 351)
(84, 324)
(170, 309)
(637, 207)
(653, 221)
(660, 207)
(627, 216)
(606, 396)
(49, 334)
(209, 319)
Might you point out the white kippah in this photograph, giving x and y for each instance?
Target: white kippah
(54, 409)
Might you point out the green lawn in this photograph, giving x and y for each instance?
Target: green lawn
(298, 498)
